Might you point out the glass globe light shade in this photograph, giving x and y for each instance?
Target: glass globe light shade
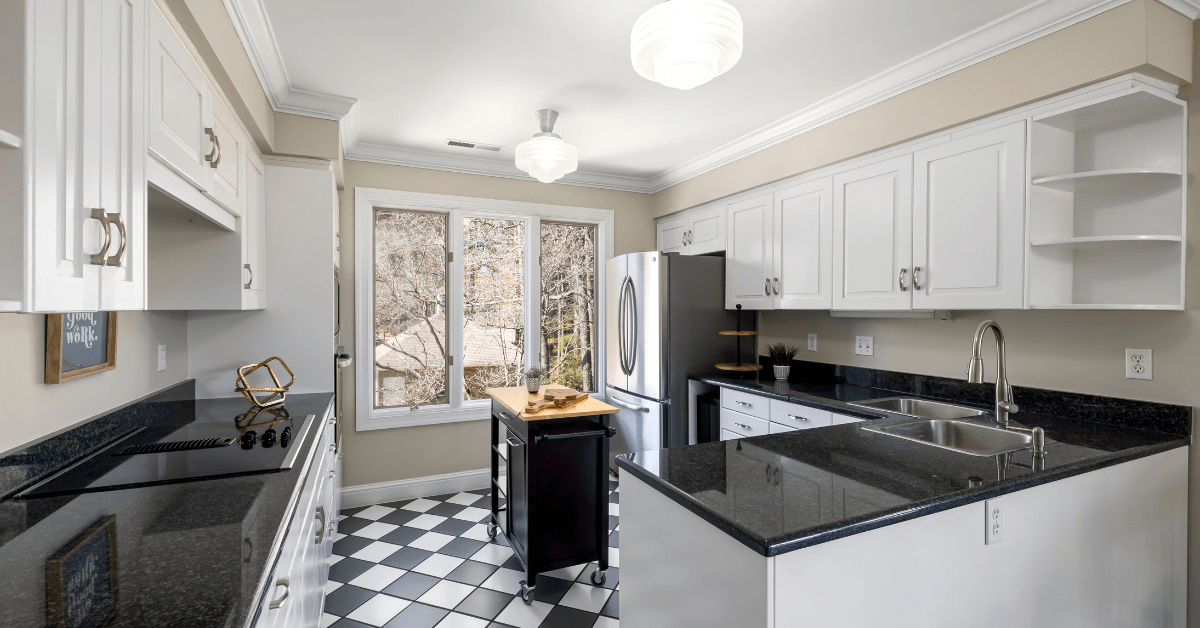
(546, 157)
(685, 43)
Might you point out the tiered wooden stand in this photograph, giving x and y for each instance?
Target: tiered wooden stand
(745, 368)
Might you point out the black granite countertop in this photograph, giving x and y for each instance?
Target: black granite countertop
(188, 554)
(832, 482)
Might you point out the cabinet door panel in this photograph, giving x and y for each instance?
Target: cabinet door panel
(179, 101)
(253, 227)
(748, 260)
(707, 232)
(227, 176)
(804, 246)
(969, 221)
(671, 236)
(872, 232)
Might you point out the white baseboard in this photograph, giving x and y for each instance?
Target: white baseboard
(384, 492)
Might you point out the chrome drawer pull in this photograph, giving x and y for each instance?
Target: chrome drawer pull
(798, 418)
(745, 427)
(743, 403)
(286, 583)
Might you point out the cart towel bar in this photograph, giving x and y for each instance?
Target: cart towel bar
(608, 433)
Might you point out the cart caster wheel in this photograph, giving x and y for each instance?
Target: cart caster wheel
(598, 577)
(526, 593)
(492, 530)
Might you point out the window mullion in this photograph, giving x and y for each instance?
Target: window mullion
(533, 292)
(455, 308)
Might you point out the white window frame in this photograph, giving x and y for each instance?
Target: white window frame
(366, 201)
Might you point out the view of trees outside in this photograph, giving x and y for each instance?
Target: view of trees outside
(410, 302)
(493, 304)
(411, 327)
(568, 304)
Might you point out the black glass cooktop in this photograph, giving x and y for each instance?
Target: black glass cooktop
(258, 441)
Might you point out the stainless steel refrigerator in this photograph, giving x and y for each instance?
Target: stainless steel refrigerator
(663, 312)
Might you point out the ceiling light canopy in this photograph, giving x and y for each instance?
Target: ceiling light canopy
(547, 157)
(685, 43)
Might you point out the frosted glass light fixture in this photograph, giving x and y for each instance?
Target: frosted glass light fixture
(547, 157)
(685, 43)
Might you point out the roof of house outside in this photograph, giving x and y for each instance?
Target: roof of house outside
(417, 346)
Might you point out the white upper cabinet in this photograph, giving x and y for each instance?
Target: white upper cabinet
(872, 236)
(969, 222)
(179, 105)
(84, 208)
(226, 169)
(253, 228)
(803, 247)
(694, 232)
(749, 260)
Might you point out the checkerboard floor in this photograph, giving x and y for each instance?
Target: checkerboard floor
(428, 562)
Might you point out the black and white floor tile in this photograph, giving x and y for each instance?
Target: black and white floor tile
(428, 562)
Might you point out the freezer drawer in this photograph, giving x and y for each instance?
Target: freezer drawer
(638, 424)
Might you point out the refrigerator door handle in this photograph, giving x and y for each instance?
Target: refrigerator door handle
(621, 351)
(627, 405)
(633, 331)
(623, 326)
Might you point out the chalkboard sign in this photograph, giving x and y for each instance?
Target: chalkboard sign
(81, 579)
(80, 344)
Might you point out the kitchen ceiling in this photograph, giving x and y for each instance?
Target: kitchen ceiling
(425, 71)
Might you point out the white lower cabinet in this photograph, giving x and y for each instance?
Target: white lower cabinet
(743, 424)
(746, 414)
(295, 592)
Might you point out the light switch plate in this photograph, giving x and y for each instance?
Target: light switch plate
(162, 357)
(864, 345)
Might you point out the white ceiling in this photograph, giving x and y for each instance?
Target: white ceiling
(423, 71)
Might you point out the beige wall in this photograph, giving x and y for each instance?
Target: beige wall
(397, 454)
(34, 409)
(1142, 35)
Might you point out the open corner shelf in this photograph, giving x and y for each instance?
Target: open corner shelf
(8, 140)
(1082, 181)
(745, 368)
(1096, 241)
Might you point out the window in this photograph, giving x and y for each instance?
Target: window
(457, 295)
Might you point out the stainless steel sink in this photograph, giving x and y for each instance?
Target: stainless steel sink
(960, 436)
(920, 408)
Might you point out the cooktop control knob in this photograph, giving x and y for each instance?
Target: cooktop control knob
(286, 437)
(268, 439)
(248, 439)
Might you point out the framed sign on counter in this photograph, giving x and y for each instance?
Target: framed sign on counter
(80, 344)
(81, 579)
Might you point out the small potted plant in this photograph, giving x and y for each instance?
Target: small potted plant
(781, 355)
(533, 379)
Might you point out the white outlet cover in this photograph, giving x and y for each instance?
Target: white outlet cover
(864, 345)
(162, 357)
(993, 522)
(1139, 364)
(812, 342)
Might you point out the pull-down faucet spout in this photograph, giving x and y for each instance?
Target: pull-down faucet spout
(1004, 400)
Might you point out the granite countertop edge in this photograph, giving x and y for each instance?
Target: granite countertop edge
(832, 405)
(782, 544)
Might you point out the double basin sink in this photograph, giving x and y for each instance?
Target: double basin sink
(947, 426)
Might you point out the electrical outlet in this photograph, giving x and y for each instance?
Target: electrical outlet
(1139, 364)
(812, 342)
(162, 357)
(864, 345)
(993, 522)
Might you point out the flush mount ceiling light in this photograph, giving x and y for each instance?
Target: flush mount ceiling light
(685, 43)
(546, 157)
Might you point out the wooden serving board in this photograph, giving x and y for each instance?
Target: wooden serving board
(516, 400)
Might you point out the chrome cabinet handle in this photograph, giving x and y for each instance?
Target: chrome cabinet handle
(115, 260)
(798, 418)
(101, 258)
(903, 288)
(332, 446)
(627, 405)
(743, 403)
(217, 162)
(332, 474)
(743, 426)
(278, 602)
(916, 274)
(251, 271)
(512, 443)
(321, 529)
(775, 286)
(767, 286)
(212, 139)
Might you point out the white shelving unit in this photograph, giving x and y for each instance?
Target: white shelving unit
(8, 140)
(1107, 210)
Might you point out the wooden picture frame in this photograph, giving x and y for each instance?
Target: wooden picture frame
(81, 579)
(57, 328)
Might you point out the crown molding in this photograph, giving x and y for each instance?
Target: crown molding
(253, 27)
(1020, 27)
(1190, 8)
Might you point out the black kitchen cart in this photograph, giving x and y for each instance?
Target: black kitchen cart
(556, 510)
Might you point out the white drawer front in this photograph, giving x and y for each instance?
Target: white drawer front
(798, 416)
(743, 424)
(779, 428)
(841, 419)
(727, 435)
(746, 403)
